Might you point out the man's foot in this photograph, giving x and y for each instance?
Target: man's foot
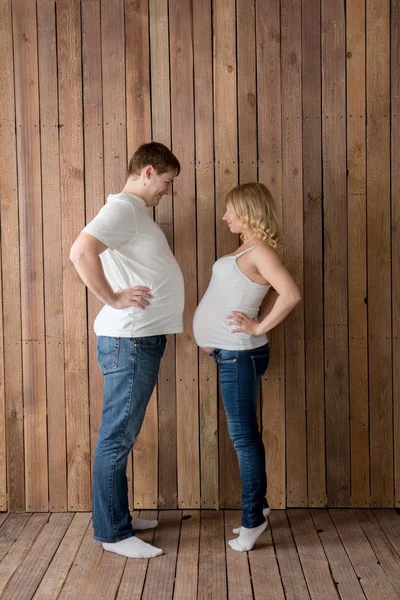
(247, 538)
(266, 512)
(142, 524)
(133, 547)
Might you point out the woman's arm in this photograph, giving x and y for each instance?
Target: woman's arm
(285, 295)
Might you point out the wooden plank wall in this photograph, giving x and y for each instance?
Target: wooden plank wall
(303, 96)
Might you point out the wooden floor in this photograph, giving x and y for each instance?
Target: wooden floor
(317, 554)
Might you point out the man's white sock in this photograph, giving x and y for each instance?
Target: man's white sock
(133, 547)
(247, 538)
(266, 512)
(142, 524)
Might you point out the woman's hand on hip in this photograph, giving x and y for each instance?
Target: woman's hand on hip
(243, 323)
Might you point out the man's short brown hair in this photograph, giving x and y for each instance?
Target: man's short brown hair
(155, 154)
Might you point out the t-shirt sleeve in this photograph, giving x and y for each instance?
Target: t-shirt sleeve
(114, 225)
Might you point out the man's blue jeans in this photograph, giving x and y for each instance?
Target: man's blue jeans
(240, 372)
(130, 367)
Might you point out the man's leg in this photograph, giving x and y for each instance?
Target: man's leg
(130, 367)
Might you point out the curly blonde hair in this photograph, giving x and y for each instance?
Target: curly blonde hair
(255, 208)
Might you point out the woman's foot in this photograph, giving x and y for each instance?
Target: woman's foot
(266, 512)
(133, 547)
(247, 538)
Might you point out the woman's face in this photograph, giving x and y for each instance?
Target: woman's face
(232, 220)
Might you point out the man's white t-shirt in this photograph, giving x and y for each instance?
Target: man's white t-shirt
(138, 254)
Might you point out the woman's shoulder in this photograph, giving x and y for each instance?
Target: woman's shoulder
(264, 249)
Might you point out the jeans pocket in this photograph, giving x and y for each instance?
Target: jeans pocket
(108, 353)
(225, 357)
(152, 341)
(260, 364)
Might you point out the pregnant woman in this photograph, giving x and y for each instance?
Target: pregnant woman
(227, 326)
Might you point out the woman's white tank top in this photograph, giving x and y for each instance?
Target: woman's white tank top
(229, 290)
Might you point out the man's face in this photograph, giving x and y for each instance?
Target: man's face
(158, 185)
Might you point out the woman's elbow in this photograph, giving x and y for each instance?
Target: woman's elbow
(295, 298)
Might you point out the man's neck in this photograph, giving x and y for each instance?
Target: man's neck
(136, 188)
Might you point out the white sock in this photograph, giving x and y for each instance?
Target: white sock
(141, 524)
(247, 538)
(132, 547)
(266, 512)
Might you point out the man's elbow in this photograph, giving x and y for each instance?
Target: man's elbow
(76, 253)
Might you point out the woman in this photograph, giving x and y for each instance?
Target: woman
(225, 325)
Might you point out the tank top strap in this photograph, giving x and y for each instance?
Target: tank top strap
(243, 252)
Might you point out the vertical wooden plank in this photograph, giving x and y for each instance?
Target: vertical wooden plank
(384, 551)
(292, 190)
(31, 253)
(369, 570)
(21, 547)
(312, 557)
(52, 254)
(53, 580)
(114, 113)
(292, 576)
(265, 572)
(132, 582)
(34, 566)
(94, 183)
(357, 256)
(378, 232)
(270, 173)
(3, 456)
(72, 200)
(313, 251)
(226, 176)
(246, 90)
(238, 574)
(137, 77)
(160, 573)
(205, 205)
(395, 175)
(83, 568)
(11, 428)
(335, 253)
(212, 559)
(182, 116)
(188, 557)
(342, 569)
(113, 82)
(137, 73)
(161, 121)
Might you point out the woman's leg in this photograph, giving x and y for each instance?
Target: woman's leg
(240, 373)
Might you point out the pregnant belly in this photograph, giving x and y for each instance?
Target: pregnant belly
(207, 349)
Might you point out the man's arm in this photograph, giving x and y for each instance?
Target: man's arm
(85, 256)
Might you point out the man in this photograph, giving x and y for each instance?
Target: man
(124, 259)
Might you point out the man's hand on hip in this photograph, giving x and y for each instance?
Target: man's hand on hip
(138, 296)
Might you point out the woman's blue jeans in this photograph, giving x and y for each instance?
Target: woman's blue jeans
(130, 367)
(240, 372)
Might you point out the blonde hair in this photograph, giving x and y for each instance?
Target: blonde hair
(255, 208)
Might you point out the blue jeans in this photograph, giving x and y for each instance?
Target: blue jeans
(130, 367)
(240, 372)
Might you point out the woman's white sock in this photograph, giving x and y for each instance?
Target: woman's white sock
(266, 512)
(133, 547)
(247, 538)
